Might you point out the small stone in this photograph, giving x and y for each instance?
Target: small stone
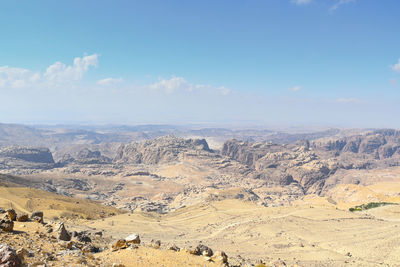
(66, 244)
(156, 243)
(37, 216)
(99, 233)
(63, 233)
(12, 214)
(49, 228)
(174, 247)
(120, 244)
(89, 248)
(22, 217)
(203, 250)
(133, 239)
(6, 225)
(84, 238)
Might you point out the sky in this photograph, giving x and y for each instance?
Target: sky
(331, 63)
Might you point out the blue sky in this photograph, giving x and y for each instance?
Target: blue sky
(266, 62)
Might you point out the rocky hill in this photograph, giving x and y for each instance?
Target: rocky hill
(161, 150)
(283, 164)
(311, 163)
(30, 154)
(381, 144)
(26, 158)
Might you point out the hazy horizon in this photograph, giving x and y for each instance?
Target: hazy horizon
(291, 63)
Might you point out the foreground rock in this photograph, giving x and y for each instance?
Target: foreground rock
(120, 244)
(203, 250)
(8, 257)
(133, 239)
(22, 217)
(37, 216)
(12, 214)
(6, 225)
(63, 233)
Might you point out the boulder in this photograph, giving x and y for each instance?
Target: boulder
(22, 217)
(63, 233)
(12, 214)
(132, 239)
(37, 216)
(2, 211)
(8, 257)
(6, 225)
(203, 250)
(120, 244)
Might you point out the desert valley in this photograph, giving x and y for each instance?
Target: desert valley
(200, 197)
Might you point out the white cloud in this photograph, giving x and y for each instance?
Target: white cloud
(179, 84)
(109, 81)
(296, 88)
(57, 74)
(348, 100)
(17, 77)
(396, 67)
(172, 85)
(301, 2)
(341, 2)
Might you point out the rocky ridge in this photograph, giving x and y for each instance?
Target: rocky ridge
(167, 173)
(161, 150)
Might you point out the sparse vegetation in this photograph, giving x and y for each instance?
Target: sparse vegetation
(370, 205)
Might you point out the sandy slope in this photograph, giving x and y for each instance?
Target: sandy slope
(304, 234)
(28, 200)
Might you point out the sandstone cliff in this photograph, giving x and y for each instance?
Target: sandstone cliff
(160, 150)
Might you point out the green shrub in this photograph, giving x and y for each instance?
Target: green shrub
(370, 205)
